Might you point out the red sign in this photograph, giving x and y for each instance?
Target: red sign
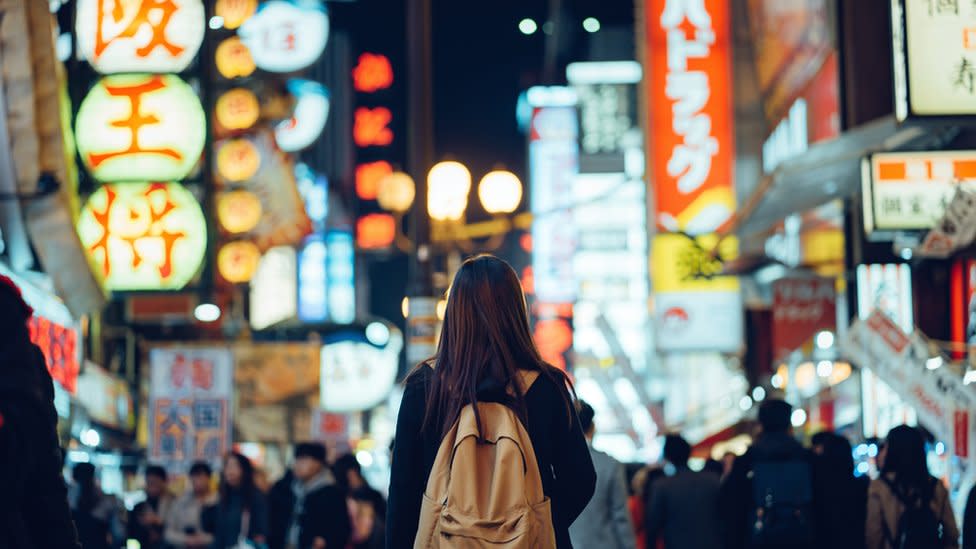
(884, 327)
(60, 347)
(960, 426)
(801, 308)
(373, 73)
(690, 104)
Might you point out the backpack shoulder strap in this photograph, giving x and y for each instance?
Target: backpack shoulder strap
(527, 379)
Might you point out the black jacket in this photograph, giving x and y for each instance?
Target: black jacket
(840, 503)
(325, 515)
(34, 511)
(735, 498)
(969, 522)
(568, 477)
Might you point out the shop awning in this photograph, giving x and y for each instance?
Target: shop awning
(826, 171)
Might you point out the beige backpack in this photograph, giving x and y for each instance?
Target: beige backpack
(486, 493)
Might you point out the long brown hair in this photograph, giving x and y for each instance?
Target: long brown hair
(485, 337)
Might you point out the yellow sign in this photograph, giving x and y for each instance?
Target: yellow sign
(238, 211)
(235, 12)
(237, 160)
(683, 264)
(237, 261)
(233, 59)
(144, 236)
(134, 127)
(237, 109)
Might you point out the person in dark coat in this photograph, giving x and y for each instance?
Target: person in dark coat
(308, 510)
(34, 509)
(969, 522)
(349, 477)
(242, 511)
(484, 347)
(841, 497)
(775, 443)
(684, 507)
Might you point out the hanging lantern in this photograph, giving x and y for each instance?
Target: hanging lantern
(139, 35)
(237, 160)
(375, 231)
(133, 127)
(237, 109)
(233, 59)
(238, 211)
(235, 12)
(286, 35)
(144, 236)
(237, 261)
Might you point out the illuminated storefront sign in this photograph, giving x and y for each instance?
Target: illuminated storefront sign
(237, 109)
(274, 296)
(690, 107)
(235, 12)
(237, 261)
(106, 398)
(375, 231)
(553, 165)
(233, 59)
(144, 236)
(139, 35)
(286, 36)
(238, 160)
(801, 308)
(695, 309)
(373, 73)
(341, 266)
(356, 374)
(371, 127)
(368, 177)
(934, 58)
(132, 127)
(313, 291)
(910, 191)
(308, 119)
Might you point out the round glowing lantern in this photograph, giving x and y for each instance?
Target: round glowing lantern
(133, 127)
(139, 36)
(238, 211)
(233, 59)
(237, 109)
(237, 261)
(144, 236)
(286, 35)
(237, 160)
(235, 12)
(396, 192)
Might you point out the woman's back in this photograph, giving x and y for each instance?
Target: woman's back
(887, 506)
(557, 440)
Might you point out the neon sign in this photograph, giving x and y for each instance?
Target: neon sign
(286, 36)
(139, 35)
(144, 236)
(136, 126)
(309, 116)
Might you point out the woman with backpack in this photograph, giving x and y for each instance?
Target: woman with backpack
(488, 447)
(907, 507)
(240, 518)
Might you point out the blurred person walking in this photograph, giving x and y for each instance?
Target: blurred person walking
(969, 521)
(308, 510)
(485, 357)
(641, 512)
(605, 522)
(97, 515)
(241, 515)
(184, 524)
(907, 507)
(841, 498)
(350, 479)
(148, 518)
(369, 523)
(34, 510)
(767, 500)
(684, 506)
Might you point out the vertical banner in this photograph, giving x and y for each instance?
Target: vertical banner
(801, 308)
(189, 405)
(689, 101)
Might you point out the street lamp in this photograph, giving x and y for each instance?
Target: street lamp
(500, 192)
(448, 185)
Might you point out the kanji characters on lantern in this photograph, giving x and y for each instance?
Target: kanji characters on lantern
(372, 73)
(286, 35)
(132, 127)
(237, 109)
(233, 59)
(118, 36)
(371, 127)
(237, 159)
(144, 236)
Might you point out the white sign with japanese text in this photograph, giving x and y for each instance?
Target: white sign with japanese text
(190, 395)
(286, 35)
(935, 67)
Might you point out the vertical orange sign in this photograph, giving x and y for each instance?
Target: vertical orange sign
(689, 102)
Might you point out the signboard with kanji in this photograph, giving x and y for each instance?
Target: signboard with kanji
(286, 35)
(138, 127)
(909, 191)
(189, 406)
(159, 36)
(934, 57)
